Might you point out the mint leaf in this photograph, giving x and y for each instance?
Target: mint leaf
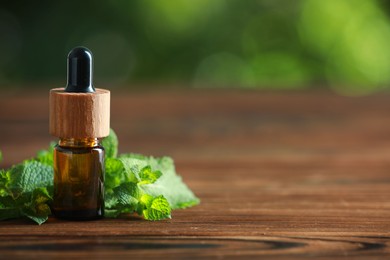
(46, 156)
(38, 209)
(174, 190)
(40, 196)
(115, 173)
(133, 167)
(9, 213)
(127, 194)
(148, 176)
(6, 202)
(155, 208)
(38, 219)
(120, 171)
(133, 183)
(28, 176)
(123, 199)
(129, 197)
(1, 156)
(4, 181)
(145, 201)
(34, 205)
(111, 213)
(169, 184)
(8, 208)
(110, 144)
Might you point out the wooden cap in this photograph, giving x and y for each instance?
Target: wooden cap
(79, 115)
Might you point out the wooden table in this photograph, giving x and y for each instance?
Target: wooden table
(284, 175)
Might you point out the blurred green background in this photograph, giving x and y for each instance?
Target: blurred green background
(261, 44)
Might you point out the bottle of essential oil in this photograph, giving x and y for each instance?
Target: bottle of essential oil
(79, 117)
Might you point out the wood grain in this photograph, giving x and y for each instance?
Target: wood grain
(79, 115)
(283, 175)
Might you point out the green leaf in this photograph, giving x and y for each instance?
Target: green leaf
(34, 205)
(41, 196)
(127, 193)
(156, 209)
(4, 182)
(38, 209)
(112, 213)
(170, 184)
(174, 190)
(46, 156)
(38, 219)
(110, 144)
(148, 176)
(28, 176)
(133, 183)
(115, 173)
(1, 156)
(110, 200)
(7, 202)
(9, 213)
(120, 171)
(132, 168)
(123, 199)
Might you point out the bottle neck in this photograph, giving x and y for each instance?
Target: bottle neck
(79, 142)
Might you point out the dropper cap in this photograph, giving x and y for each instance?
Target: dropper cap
(79, 110)
(80, 71)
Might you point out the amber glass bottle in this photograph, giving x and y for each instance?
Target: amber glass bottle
(80, 118)
(79, 179)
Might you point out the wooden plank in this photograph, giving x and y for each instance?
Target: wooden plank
(280, 175)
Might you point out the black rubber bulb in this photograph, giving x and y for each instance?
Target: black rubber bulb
(80, 71)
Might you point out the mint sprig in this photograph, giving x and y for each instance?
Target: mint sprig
(134, 184)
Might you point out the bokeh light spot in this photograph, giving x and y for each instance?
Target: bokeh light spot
(352, 37)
